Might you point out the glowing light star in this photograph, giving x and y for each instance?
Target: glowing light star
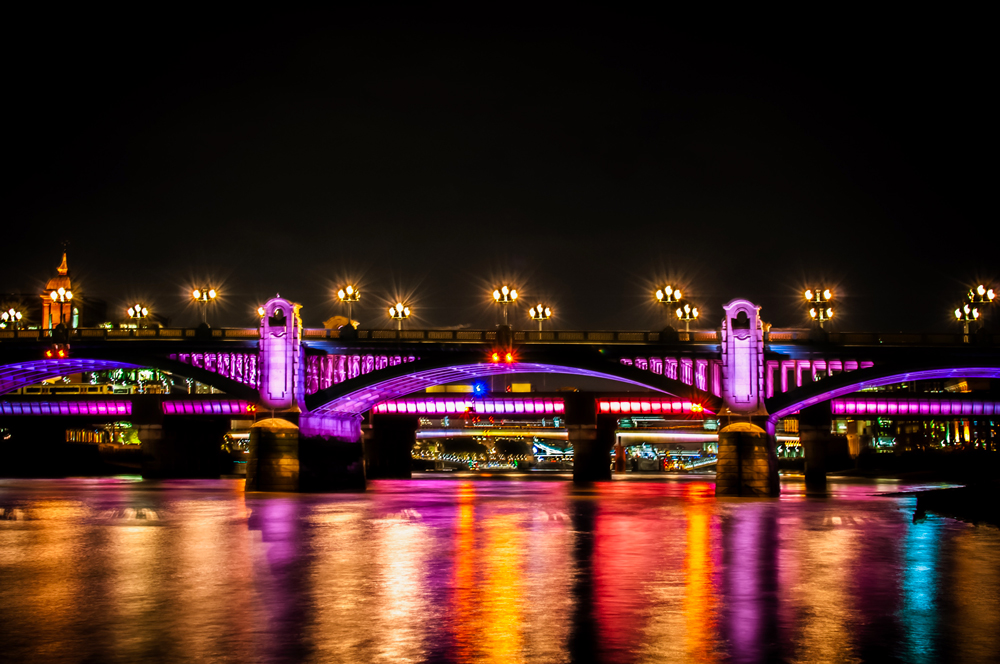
(261, 311)
(659, 295)
(509, 357)
(808, 294)
(196, 294)
(496, 295)
(495, 357)
(827, 294)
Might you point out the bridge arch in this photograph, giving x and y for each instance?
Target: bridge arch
(17, 374)
(358, 395)
(846, 383)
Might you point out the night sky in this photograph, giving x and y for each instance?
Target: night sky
(584, 157)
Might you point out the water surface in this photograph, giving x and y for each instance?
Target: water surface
(465, 569)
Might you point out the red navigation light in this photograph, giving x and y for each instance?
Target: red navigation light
(508, 358)
(495, 357)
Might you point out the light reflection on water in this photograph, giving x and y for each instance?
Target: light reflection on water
(466, 570)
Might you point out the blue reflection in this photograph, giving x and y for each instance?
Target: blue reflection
(919, 612)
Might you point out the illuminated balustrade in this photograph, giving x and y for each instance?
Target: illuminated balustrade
(487, 406)
(123, 408)
(650, 407)
(890, 406)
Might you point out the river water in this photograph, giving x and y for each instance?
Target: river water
(471, 569)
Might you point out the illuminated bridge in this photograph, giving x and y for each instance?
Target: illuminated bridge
(324, 382)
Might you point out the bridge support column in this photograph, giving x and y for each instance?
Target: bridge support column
(747, 463)
(591, 437)
(388, 446)
(273, 464)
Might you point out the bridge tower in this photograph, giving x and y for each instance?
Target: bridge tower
(274, 443)
(747, 464)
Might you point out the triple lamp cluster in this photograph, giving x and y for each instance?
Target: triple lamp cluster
(819, 301)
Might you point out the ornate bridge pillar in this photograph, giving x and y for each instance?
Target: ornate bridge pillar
(747, 465)
(282, 378)
(314, 452)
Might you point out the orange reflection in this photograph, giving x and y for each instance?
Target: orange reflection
(464, 593)
(700, 601)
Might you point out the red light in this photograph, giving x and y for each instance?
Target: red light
(251, 408)
(495, 357)
(697, 408)
(509, 358)
(48, 353)
(605, 407)
(62, 353)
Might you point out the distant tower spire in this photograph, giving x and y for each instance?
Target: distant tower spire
(63, 267)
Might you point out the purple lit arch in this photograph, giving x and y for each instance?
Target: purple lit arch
(846, 384)
(21, 374)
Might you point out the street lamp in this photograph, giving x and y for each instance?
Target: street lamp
(687, 313)
(62, 295)
(138, 313)
(821, 310)
(399, 313)
(983, 296)
(965, 315)
(541, 313)
(504, 296)
(10, 317)
(349, 294)
(667, 295)
(203, 296)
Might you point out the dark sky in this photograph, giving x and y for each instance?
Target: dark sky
(584, 156)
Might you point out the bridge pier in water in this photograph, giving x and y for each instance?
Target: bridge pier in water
(747, 464)
(388, 446)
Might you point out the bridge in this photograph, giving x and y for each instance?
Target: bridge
(322, 382)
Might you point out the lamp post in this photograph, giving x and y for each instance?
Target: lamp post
(349, 294)
(504, 295)
(821, 309)
(138, 313)
(541, 313)
(687, 313)
(203, 296)
(966, 314)
(11, 317)
(983, 296)
(399, 313)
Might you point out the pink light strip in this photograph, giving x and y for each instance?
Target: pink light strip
(456, 405)
(650, 406)
(103, 407)
(940, 406)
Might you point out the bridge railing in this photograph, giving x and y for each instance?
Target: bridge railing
(94, 333)
(785, 335)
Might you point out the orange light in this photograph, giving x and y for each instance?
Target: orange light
(495, 357)
(62, 353)
(697, 408)
(48, 353)
(251, 408)
(509, 357)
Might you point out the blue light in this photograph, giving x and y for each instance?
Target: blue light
(479, 388)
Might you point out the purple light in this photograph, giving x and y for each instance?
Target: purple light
(21, 374)
(452, 405)
(862, 403)
(205, 407)
(365, 398)
(97, 407)
(339, 426)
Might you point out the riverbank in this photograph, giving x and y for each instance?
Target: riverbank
(972, 504)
